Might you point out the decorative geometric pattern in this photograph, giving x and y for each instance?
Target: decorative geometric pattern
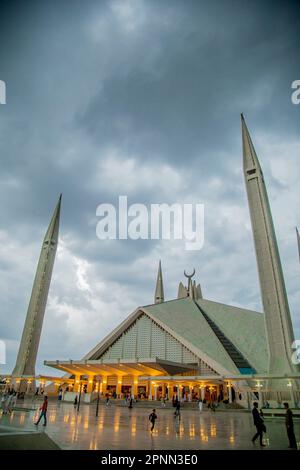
(146, 339)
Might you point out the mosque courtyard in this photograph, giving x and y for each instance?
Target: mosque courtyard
(118, 428)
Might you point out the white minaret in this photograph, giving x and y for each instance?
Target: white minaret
(159, 290)
(274, 298)
(26, 359)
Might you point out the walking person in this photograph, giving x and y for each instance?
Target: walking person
(4, 400)
(14, 400)
(175, 400)
(200, 404)
(152, 419)
(43, 410)
(9, 403)
(107, 400)
(177, 410)
(75, 401)
(259, 424)
(290, 426)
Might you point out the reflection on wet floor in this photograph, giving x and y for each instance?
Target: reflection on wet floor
(121, 428)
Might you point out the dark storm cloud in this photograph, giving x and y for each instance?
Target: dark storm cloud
(139, 98)
(208, 64)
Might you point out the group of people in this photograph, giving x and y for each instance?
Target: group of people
(261, 427)
(258, 421)
(129, 400)
(9, 401)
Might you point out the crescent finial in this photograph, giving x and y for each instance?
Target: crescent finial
(189, 275)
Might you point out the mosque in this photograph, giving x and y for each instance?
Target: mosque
(188, 347)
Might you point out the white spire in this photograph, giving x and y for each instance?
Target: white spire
(274, 298)
(26, 359)
(159, 290)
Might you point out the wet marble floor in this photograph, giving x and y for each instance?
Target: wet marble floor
(120, 428)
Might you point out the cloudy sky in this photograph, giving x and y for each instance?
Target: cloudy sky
(140, 98)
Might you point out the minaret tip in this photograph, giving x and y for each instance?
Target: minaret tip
(53, 229)
(159, 290)
(251, 161)
(59, 200)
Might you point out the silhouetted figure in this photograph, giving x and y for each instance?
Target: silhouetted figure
(152, 419)
(177, 410)
(258, 423)
(290, 426)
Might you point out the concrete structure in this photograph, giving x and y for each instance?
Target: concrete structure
(193, 291)
(278, 322)
(26, 359)
(184, 347)
(174, 347)
(192, 347)
(182, 291)
(159, 290)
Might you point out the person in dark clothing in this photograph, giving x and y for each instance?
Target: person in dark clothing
(152, 419)
(177, 410)
(130, 403)
(290, 426)
(258, 423)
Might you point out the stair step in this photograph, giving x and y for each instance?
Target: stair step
(233, 352)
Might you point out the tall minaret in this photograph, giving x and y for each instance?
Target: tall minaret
(274, 298)
(26, 359)
(159, 290)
